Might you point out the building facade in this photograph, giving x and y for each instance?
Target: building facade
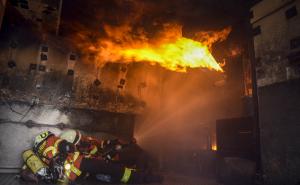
(276, 30)
(276, 36)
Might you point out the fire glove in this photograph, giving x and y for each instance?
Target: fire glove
(57, 166)
(58, 171)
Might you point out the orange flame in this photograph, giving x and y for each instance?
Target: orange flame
(176, 56)
(168, 48)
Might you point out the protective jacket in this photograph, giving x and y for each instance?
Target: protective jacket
(51, 148)
(90, 147)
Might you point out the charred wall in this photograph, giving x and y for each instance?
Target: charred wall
(279, 117)
(34, 98)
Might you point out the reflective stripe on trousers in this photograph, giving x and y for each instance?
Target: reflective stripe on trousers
(126, 175)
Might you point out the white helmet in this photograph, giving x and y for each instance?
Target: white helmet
(72, 136)
(40, 138)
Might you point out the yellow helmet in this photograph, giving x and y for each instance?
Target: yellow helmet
(72, 136)
(39, 139)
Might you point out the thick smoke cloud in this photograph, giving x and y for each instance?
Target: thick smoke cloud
(179, 105)
(147, 16)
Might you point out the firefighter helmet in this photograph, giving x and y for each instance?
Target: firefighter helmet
(72, 136)
(41, 137)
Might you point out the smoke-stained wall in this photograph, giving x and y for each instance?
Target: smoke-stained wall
(276, 43)
(279, 122)
(17, 136)
(20, 122)
(276, 52)
(40, 90)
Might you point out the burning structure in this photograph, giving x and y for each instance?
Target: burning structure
(177, 76)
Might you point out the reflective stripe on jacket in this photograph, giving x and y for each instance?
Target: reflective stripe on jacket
(49, 149)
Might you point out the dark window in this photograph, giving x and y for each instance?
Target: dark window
(25, 6)
(44, 57)
(97, 82)
(14, 2)
(292, 12)
(256, 31)
(32, 67)
(42, 68)
(70, 72)
(44, 48)
(122, 81)
(295, 43)
(11, 64)
(294, 58)
(72, 57)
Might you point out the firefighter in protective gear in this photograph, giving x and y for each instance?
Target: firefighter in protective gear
(57, 154)
(91, 147)
(34, 169)
(67, 164)
(85, 145)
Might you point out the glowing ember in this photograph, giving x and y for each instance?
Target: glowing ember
(214, 147)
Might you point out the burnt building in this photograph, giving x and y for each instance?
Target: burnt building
(211, 97)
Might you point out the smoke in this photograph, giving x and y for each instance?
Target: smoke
(95, 26)
(179, 121)
(180, 107)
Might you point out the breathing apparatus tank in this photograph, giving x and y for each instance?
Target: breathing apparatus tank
(33, 162)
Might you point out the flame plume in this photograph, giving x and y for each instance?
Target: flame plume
(169, 48)
(176, 56)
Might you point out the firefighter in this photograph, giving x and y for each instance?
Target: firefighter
(65, 164)
(87, 146)
(91, 147)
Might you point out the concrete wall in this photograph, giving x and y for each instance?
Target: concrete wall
(266, 6)
(279, 108)
(272, 45)
(19, 124)
(56, 87)
(278, 82)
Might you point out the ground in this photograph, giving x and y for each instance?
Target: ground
(12, 179)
